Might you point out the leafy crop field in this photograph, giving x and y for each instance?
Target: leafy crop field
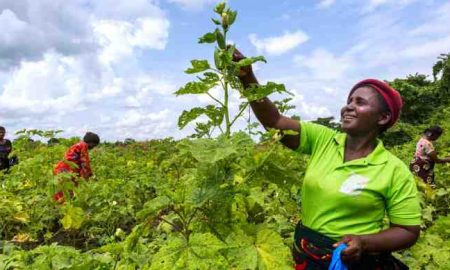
(205, 202)
(193, 204)
(224, 203)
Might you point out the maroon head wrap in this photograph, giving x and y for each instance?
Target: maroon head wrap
(389, 94)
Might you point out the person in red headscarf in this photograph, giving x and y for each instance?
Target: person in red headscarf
(351, 180)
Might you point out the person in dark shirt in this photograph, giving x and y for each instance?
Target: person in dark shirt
(5, 149)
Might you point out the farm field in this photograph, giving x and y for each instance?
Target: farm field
(218, 199)
(224, 203)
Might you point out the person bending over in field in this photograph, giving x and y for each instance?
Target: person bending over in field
(76, 160)
(5, 149)
(351, 181)
(425, 156)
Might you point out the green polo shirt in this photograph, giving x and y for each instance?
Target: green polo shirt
(340, 198)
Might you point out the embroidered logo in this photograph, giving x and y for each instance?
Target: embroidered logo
(354, 184)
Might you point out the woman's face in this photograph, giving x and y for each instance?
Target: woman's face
(362, 114)
(2, 134)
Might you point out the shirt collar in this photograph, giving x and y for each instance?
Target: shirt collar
(376, 157)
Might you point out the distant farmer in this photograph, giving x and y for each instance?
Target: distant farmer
(425, 156)
(5, 149)
(351, 181)
(76, 160)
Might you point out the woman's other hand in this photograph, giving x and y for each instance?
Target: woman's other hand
(354, 250)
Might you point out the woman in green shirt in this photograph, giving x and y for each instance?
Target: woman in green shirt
(351, 181)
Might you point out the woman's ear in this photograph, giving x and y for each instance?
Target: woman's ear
(384, 119)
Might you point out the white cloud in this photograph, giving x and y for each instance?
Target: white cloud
(76, 67)
(140, 124)
(374, 4)
(325, 3)
(323, 65)
(309, 110)
(279, 44)
(437, 22)
(194, 4)
(39, 87)
(30, 28)
(119, 39)
(431, 48)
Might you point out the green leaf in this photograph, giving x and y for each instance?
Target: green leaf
(215, 21)
(210, 78)
(214, 113)
(152, 207)
(198, 66)
(231, 50)
(202, 252)
(257, 92)
(441, 192)
(195, 88)
(219, 8)
(208, 38)
(231, 17)
(73, 217)
(217, 59)
(208, 151)
(250, 60)
(265, 250)
(220, 40)
(188, 116)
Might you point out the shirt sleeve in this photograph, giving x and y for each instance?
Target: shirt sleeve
(402, 203)
(85, 166)
(428, 148)
(312, 136)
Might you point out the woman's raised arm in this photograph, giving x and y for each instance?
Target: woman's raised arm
(266, 112)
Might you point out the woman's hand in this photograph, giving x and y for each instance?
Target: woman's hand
(246, 73)
(354, 250)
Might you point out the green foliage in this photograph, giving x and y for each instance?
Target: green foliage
(192, 204)
(328, 122)
(224, 74)
(202, 203)
(442, 67)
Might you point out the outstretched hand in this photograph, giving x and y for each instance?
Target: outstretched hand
(354, 248)
(245, 72)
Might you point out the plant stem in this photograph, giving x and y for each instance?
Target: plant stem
(225, 102)
(215, 99)
(239, 114)
(227, 114)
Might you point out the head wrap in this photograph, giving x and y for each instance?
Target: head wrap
(390, 95)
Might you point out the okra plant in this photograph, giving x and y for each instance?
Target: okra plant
(223, 74)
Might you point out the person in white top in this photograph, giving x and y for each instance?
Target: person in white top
(425, 156)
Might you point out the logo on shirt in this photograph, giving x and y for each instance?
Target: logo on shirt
(354, 184)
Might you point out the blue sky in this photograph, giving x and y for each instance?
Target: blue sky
(112, 66)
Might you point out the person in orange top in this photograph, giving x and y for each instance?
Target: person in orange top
(76, 160)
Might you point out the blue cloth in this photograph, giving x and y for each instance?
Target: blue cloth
(336, 262)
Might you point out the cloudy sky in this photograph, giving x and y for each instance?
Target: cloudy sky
(111, 66)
